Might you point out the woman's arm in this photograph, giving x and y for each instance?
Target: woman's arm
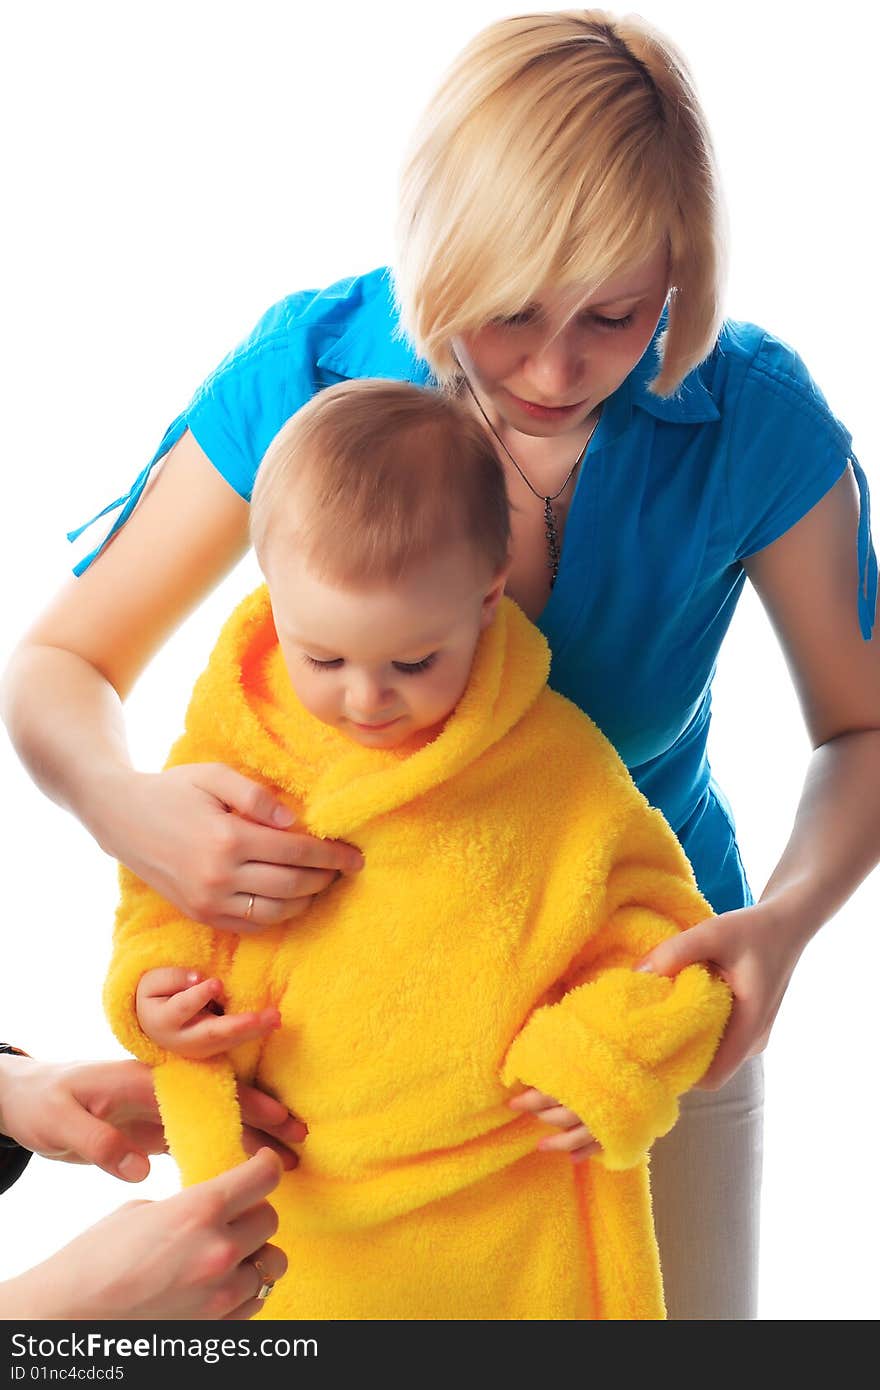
(805, 582)
(62, 696)
(63, 689)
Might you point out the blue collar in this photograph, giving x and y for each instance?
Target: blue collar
(690, 406)
(366, 348)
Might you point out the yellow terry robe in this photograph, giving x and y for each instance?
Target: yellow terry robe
(513, 875)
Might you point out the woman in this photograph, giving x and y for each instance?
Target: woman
(560, 237)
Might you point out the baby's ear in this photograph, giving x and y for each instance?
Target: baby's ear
(493, 595)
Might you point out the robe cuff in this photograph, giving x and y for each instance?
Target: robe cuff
(201, 1115)
(625, 1103)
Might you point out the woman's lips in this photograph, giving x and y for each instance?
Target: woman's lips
(545, 412)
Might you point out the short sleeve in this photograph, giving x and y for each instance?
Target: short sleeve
(236, 413)
(786, 450)
(240, 406)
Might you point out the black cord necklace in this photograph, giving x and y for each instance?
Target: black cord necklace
(550, 530)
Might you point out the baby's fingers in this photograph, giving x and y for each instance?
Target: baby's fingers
(214, 1034)
(558, 1115)
(574, 1140)
(164, 981)
(189, 1003)
(545, 1108)
(579, 1155)
(531, 1100)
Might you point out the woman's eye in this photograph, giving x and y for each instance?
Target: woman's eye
(514, 320)
(322, 665)
(527, 315)
(412, 668)
(615, 323)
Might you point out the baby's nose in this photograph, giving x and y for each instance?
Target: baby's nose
(369, 700)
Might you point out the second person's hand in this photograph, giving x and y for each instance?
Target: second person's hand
(105, 1113)
(220, 846)
(190, 1256)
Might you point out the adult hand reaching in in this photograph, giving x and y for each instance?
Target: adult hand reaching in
(105, 1113)
(200, 1254)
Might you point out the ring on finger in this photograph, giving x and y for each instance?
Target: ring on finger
(250, 907)
(267, 1284)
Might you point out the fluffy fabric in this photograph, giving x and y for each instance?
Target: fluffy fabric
(514, 873)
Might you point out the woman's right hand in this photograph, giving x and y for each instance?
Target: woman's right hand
(206, 838)
(202, 835)
(187, 1257)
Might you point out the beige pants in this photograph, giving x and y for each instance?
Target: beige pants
(706, 1193)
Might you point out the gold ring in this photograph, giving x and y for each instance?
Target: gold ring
(266, 1285)
(250, 908)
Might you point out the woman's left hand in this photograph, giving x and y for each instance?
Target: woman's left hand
(755, 950)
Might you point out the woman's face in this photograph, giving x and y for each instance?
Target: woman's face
(533, 359)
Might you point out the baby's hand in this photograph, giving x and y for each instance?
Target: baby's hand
(575, 1139)
(182, 1013)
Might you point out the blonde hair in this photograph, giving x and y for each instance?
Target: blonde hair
(371, 478)
(560, 149)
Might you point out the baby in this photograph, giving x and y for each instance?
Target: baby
(383, 684)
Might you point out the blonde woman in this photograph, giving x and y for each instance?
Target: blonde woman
(560, 266)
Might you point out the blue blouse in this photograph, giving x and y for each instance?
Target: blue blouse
(671, 497)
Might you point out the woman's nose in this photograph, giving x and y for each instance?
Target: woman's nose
(556, 369)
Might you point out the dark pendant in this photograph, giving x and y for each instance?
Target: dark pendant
(552, 541)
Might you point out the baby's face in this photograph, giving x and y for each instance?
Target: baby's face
(385, 666)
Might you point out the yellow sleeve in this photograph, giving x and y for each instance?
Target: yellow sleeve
(621, 1046)
(150, 932)
(197, 1100)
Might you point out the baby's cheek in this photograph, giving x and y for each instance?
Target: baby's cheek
(451, 690)
(318, 700)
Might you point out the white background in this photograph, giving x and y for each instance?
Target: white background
(172, 170)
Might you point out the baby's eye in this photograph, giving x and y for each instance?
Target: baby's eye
(322, 665)
(412, 668)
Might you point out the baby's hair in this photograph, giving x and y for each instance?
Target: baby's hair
(561, 149)
(371, 478)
